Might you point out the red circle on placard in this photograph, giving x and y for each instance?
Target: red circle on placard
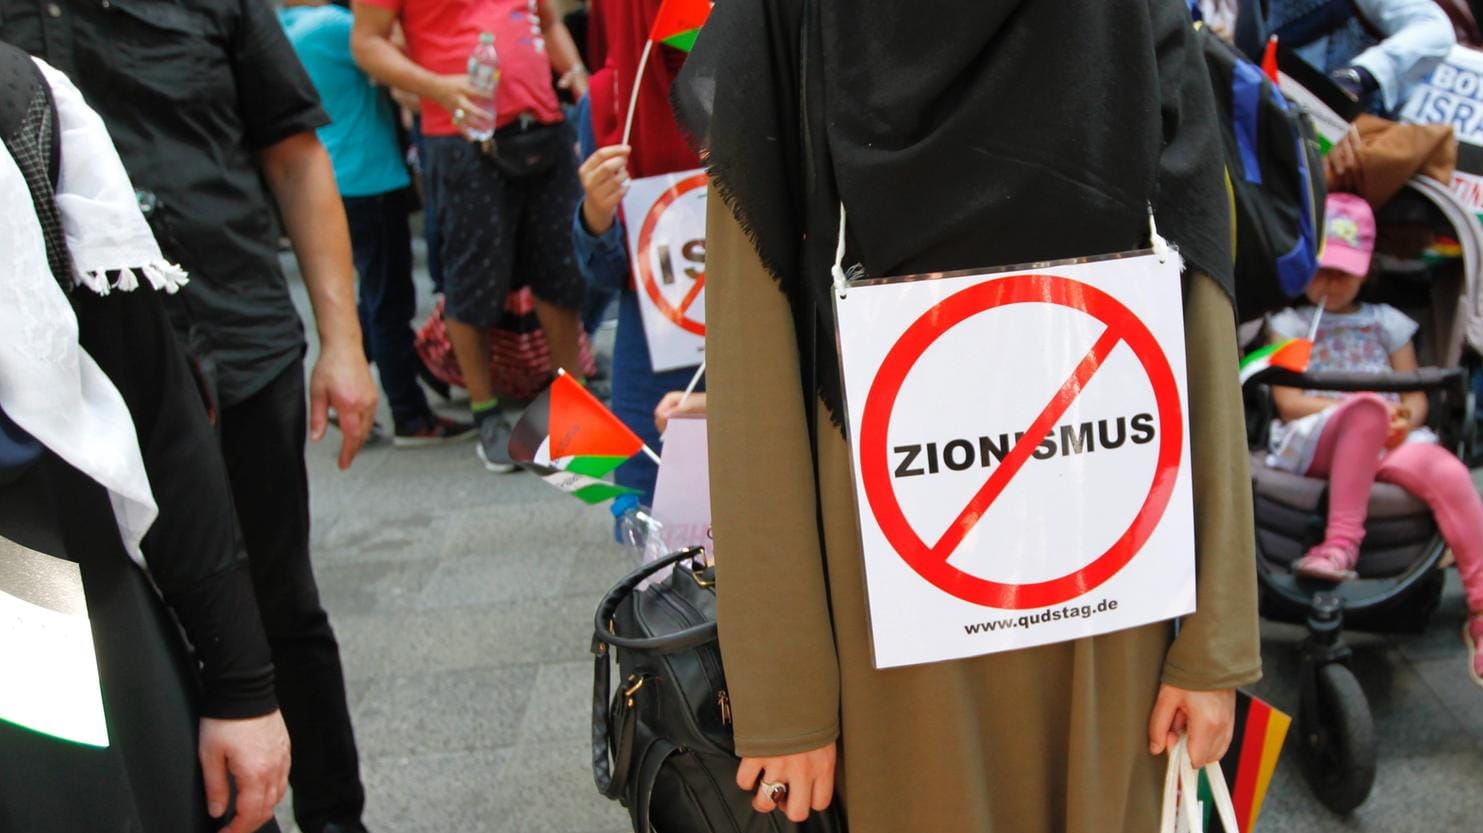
(880, 402)
(646, 265)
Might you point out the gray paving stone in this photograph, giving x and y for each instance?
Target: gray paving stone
(491, 579)
(455, 711)
(513, 633)
(357, 588)
(435, 793)
(547, 788)
(560, 704)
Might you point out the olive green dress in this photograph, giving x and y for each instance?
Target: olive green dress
(1045, 739)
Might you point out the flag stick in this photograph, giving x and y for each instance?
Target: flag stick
(1317, 317)
(652, 456)
(633, 100)
(690, 388)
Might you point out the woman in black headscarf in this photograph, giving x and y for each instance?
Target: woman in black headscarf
(108, 469)
(957, 136)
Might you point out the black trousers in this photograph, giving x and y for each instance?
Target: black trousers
(263, 443)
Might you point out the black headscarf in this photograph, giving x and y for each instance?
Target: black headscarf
(957, 135)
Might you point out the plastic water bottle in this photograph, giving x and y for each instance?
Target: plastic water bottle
(484, 77)
(640, 533)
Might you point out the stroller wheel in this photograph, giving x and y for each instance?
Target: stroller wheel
(1337, 737)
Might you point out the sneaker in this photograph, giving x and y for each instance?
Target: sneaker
(493, 447)
(432, 430)
(1328, 562)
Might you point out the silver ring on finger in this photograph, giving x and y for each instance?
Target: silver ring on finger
(458, 115)
(774, 791)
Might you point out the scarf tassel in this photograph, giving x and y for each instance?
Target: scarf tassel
(162, 275)
(165, 275)
(96, 280)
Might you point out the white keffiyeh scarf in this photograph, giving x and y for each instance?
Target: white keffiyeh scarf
(49, 386)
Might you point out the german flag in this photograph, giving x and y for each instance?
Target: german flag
(568, 439)
(1249, 763)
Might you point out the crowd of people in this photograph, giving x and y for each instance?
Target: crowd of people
(158, 151)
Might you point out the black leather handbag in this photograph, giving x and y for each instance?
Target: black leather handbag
(663, 746)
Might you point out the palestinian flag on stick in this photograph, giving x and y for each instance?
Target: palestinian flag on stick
(1248, 765)
(568, 439)
(678, 23)
(1291, 355)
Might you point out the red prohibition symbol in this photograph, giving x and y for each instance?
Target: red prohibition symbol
(677, 314)
(931, 562)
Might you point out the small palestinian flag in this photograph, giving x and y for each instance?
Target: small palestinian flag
(1291, 355)
(1249, 763)
(678, 23)
(568, 439)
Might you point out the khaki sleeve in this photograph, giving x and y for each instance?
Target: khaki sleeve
(1219, 646)
(776, 639)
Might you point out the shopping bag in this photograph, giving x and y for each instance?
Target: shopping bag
(1183, 810)
(519, 358)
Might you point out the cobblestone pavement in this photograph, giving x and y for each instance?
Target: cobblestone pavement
(463, 602)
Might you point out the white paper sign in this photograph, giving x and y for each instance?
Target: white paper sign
(46, 648)
(1453, 94)
(665, 218)
(977, 541)
(682, 494)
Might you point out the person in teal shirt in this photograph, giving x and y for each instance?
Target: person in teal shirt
(374, 185)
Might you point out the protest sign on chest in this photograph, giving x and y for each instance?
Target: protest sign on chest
(1021, 459)
(665, 218)
(1453, 94)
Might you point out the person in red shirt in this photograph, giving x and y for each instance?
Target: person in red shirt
(504, 206)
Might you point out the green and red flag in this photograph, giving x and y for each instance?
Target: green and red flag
(1292, 354)
(1249, 762)
(678, 23)
(568, 439)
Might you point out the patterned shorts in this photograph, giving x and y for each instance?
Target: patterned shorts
(498, 233)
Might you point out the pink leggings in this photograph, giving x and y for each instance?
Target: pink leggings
(1349, 455)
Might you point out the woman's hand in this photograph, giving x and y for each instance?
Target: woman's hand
(670, 406)
(454, 93)
(1208, 716)
(808, 775)
(254, 753)
(1342, 170)
(604, 180)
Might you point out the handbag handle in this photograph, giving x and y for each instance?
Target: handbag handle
(610, 782)
(666, 644)
(1182, 788)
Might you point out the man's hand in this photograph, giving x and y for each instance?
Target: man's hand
(1208, 716)
(255, 754)
(575, 80)
(808, 775)
(342, 380)
(604, 180)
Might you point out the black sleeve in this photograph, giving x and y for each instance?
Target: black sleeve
(194, 550)
(274, 93)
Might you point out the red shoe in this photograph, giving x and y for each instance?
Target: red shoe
(1328, 562)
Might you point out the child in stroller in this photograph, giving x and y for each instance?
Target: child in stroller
(1356, 439)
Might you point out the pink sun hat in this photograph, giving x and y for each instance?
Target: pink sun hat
(1349, 234)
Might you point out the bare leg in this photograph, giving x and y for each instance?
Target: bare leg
(562, 327)
(471, 349)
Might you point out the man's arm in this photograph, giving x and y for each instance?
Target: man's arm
(298, 171)
(375, 51)
(562, 50)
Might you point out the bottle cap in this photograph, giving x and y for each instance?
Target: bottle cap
(486, 37)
